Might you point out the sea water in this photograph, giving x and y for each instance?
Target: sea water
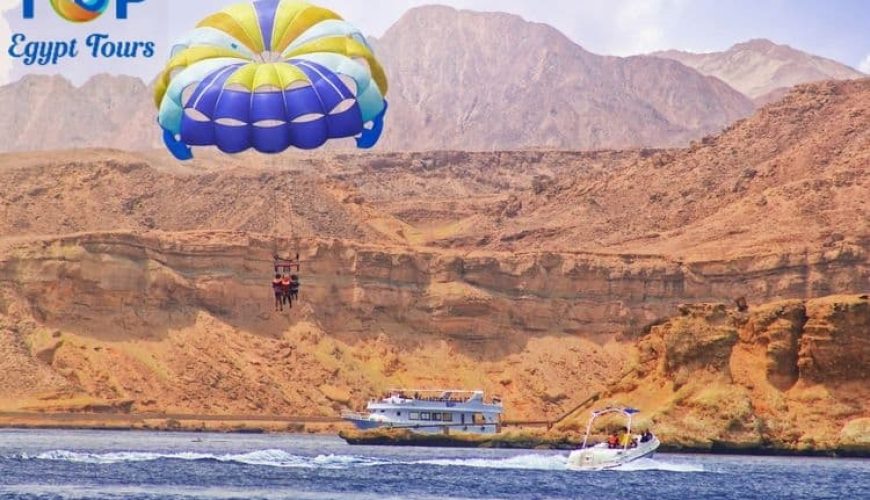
(138, 465)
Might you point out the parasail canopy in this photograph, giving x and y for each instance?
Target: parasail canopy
(271, 75)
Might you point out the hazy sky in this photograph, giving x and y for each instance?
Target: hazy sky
(832, 28)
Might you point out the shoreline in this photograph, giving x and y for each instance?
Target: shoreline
(253, 424)
(168, 422)
(766, 452)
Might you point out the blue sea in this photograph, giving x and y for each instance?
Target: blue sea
(138, 465)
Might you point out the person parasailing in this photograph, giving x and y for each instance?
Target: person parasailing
(286, 284)
(278, 289)
(294, 287)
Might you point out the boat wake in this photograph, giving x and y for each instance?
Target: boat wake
(279, 458)
(559, 463)
(651, 464)
(268, 458)
(522, 462)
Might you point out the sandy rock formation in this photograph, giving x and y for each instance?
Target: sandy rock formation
(490, 303)
(779, 182)
(129, 283)
(788, 375)
(835, 345)
(538, 328)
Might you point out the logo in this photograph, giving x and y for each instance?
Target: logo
(43, 52)
(81, 11)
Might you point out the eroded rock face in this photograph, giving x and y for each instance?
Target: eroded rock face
(22, 371)
(779, 328)
(129, 282)
(190, 318)
(835, 345)
(791, 375)
(118, 286)
(701, 338)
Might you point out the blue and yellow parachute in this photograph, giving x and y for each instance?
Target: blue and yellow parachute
(271, 75)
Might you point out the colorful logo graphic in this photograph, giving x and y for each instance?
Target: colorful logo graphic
(33, 50)
(80, 11)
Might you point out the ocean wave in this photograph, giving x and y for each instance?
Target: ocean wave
(650, 464)
(524, 462)
(268, 458)
(280, 458)
(557, 463)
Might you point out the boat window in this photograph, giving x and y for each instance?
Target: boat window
(425, 416)
(414, 415)
(436, 416)
(479, 418)
(398, 414)
(447, 417)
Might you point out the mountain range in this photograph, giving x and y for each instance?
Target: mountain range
(762, 69)
(482, 81)
(463, 80)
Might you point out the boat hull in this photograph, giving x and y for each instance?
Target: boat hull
(603, 458)
(366, 425)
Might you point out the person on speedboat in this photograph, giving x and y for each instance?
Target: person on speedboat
(612, 441)
(626, 441)
(646, 437)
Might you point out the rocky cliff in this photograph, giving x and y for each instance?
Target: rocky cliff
(185, 322)
(130, 317)
(779, 181)
(129, 283)
(787, 375)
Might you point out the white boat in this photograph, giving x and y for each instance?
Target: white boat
(606, 456)
(431, 411)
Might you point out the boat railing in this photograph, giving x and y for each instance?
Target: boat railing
(624, 411)
(354, 415)
(448, 403)
(451, 397)
(435, 391)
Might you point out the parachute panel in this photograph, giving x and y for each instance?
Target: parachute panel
(271, 75)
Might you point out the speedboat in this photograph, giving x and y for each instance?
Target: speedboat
(605, 455)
